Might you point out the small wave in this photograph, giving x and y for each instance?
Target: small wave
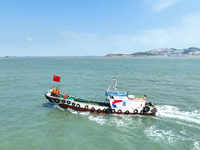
(172, 137)
(189, 125)
(174, 112)
(57, 106)
(196, 145)
(99, 119)
(164, 135)
(120, 122)
(72, 111)
(84, 113)
(117, 121)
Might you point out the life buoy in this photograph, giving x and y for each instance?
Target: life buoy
(51, 100)
(104, 110)
(78, 105)
(141, 112)
(86, 107)
(146, 109)
(63, 101)
(92, 109)
(68, 102)
(108, 110)
(73, 104)
(126, 112)
(112, 110)
(135, 111)
(119, 111)
(99, 110)
(154, 110)
(57, 100)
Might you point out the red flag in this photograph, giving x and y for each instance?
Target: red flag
(56, 78)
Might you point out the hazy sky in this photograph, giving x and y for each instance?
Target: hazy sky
(96, 27)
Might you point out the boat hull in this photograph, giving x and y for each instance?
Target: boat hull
(96, 107)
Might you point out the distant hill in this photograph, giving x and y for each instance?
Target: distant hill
(192, 51)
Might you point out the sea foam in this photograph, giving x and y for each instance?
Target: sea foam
(99, 119)
(174, 112)
(164, 135)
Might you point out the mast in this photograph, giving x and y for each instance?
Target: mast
(115, 82)
(114, 86)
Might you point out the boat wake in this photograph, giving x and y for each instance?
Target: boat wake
(155, 127)
(164, 135)
(127, 121)
(167, 111)
(170, 137)
(99, 119)
(172, 134)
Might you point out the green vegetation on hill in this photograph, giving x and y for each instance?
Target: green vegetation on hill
(144, 54)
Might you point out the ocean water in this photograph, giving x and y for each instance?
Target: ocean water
(29, 121)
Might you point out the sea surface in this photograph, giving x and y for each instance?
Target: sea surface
(28, 121)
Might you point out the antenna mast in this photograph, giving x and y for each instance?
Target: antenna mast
(115, 86)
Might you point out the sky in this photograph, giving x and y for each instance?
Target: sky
(96, 27)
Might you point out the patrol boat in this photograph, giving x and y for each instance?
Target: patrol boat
(116, 103)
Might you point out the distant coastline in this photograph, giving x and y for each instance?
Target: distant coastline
(162, 52)
(169, 52)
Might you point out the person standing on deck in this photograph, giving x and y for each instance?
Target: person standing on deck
(56, 91)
